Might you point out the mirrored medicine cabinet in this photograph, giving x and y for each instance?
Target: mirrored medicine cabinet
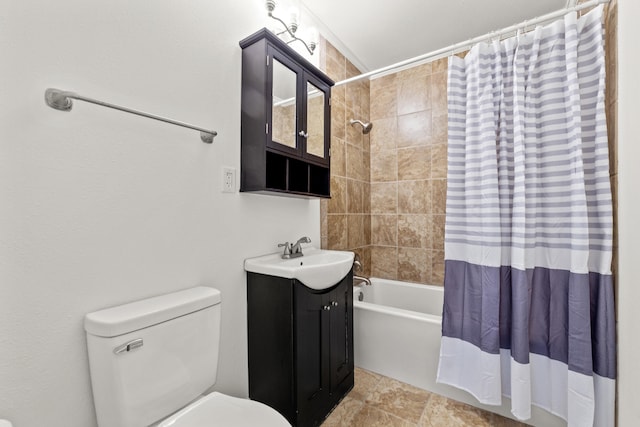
(286, 120)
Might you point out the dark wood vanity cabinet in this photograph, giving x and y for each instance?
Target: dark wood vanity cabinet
(300, 346)
(286, 120)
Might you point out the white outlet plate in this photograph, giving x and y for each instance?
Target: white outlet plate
(228, 180)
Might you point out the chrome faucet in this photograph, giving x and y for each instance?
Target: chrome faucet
(361, 279)
(296, 248)
(357, 268)
(293, 250)
(357, 265)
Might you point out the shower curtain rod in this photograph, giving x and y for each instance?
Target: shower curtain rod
(62, 100)
(465, 45)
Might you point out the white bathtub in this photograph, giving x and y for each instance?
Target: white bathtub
(397, 330)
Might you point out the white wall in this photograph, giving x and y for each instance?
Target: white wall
(98, 207)
(629, 213)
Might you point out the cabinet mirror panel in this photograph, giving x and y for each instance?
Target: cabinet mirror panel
(315, 120)
(283, 108)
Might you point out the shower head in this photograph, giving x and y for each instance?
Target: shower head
(366, 127)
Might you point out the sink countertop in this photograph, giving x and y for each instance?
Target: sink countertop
(317, 268)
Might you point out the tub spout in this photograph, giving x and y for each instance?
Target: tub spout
(361, 279)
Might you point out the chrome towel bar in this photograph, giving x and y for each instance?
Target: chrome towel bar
(62, 100)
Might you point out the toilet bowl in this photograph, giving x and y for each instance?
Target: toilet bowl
(152, 360)
(217, 409)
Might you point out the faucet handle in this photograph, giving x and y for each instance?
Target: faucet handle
(287, 248)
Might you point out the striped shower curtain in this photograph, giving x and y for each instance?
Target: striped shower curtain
(529, 309)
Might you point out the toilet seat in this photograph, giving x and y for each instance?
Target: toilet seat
(217, 409)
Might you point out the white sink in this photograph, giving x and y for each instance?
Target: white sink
(316, 269)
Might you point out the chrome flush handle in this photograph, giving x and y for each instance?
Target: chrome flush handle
(128, 346)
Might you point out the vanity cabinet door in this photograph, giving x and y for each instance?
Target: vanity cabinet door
(313, 364)
(324, 346)
(341, 330)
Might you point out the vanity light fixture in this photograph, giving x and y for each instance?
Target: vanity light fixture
(291, 28)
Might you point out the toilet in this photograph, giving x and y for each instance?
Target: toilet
(152, 360)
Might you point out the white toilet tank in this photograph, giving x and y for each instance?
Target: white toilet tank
(150, 358)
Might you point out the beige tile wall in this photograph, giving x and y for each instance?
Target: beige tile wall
(406, 159)
(345, 218)
(408, 173)
(611, 99)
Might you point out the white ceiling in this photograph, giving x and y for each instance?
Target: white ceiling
(376, 33)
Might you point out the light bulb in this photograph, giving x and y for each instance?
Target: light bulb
(313, 35)
(293, 19)
(270, 5)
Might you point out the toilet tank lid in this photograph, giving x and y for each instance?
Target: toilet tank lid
(130, 317)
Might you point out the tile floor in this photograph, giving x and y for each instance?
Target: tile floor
(381, 401)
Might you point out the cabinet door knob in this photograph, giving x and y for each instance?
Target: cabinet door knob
(303, 134)
(326, 307)
(334, 303)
